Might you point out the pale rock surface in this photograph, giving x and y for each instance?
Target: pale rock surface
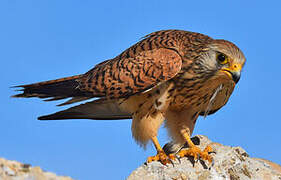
(231, 163)
(12, 170)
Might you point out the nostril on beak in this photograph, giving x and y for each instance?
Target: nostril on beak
(236, 67)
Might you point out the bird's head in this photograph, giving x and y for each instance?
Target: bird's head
(224, 59)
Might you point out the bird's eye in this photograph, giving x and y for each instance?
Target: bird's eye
(222, 58)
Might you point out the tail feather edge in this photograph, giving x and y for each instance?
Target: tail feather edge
(54, 89)
(97, 110)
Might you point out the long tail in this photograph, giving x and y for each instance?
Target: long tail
(100, 109)
(55, 90)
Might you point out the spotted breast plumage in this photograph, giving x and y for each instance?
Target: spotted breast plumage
(170, 75)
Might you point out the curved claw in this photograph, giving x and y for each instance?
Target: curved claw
(212, 152)
(171, 162)
(213, 163)
(197, 154)
(162, 157)
(198, 158)
(178, 158)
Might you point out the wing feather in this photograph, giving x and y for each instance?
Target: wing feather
(123, 77)
(101, 109)
(150, 62)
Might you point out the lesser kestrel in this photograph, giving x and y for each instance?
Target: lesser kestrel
(171, 75)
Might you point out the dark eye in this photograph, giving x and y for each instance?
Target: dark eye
(221, 58)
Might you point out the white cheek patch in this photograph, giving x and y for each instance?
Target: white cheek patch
(208, 60)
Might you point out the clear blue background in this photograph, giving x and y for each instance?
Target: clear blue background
(43, 40)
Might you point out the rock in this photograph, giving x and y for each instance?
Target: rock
(12, 170)
(229, 163)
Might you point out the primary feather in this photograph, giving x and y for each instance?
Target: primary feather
(98, 109)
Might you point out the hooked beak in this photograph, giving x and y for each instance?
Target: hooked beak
(234, 72)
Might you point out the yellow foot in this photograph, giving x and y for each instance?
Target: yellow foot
(195, 152)
(162, 157)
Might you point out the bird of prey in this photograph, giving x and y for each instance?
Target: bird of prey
(170, 76)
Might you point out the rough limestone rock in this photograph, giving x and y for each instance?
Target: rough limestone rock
(12, 170)
(229, 163)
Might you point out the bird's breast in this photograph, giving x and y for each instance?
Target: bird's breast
(199, 95)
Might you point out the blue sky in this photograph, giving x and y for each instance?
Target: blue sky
(43, 40)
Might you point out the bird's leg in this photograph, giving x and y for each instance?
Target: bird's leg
(161, 155)
(195, 151)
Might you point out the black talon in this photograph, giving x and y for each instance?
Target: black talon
(198, 158)
(204, 164)
(178, 158)
(213, 163)
(172, 162)
(212, 152)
